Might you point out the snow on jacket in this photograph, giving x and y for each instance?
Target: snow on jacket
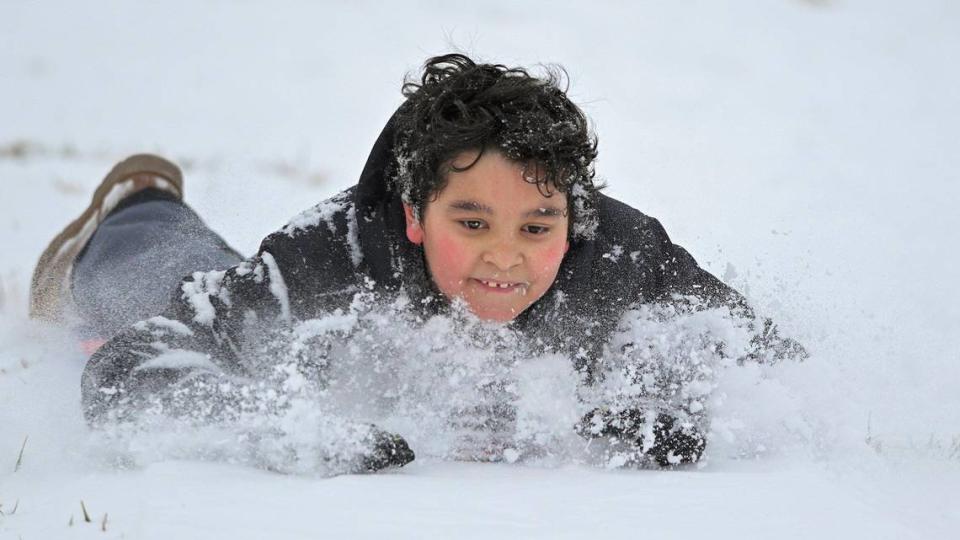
(355, 242)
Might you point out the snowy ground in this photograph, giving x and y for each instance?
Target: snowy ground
(803, 150)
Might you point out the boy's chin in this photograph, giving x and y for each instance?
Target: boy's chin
(495, 314)
(486, 311)
(498, 318)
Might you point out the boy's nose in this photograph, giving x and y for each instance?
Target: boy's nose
(503, 254)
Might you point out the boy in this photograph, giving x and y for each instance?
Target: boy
(479, 192)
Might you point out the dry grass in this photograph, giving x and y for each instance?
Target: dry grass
(12, 512)
(87, 519)
(20, 455)
(22, 149)
(69, 188)
(296, 173)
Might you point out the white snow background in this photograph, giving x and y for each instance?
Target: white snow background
(805, 151)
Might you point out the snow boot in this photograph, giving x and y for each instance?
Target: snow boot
(50, 295)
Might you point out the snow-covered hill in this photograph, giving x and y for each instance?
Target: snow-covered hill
(802, 150)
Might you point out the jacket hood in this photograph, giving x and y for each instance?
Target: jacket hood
(392, 260)
(374, 188)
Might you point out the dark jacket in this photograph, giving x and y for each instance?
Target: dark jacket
(355, 241)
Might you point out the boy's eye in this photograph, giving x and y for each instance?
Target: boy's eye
(536, 229)
(472, 224)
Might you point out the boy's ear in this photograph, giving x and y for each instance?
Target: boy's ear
(414, 229)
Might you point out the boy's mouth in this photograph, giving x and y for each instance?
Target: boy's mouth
(501, 286)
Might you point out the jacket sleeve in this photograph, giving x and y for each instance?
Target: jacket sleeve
(660, 364)
(685, 282)
(210, 340)
(672, 326)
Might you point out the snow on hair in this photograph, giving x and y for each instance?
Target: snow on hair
(458, 105)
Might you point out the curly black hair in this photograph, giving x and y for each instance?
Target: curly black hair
(459, 105)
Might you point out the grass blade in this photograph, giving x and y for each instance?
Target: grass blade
(20, 456)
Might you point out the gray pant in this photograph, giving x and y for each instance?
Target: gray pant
(131, 268)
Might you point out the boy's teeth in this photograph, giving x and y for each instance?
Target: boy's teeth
(500, 285)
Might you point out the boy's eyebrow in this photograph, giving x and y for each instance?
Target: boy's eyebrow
(471, 206)
(474, 206)
(546, 211)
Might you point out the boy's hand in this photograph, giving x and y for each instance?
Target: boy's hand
(388, 450)
(671, 445)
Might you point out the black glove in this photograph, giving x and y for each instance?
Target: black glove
(387, 450)
(671, 445)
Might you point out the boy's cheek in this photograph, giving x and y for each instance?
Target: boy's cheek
(551, 257)
(447, 254)
(558, 251)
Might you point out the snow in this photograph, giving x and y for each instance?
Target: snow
(323, 211)
(198, 292)
(353, 237)
(178, 359)
(277, 286)
(808, 147)
(161, 324)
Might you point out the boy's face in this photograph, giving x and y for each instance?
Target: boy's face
(491, 238)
